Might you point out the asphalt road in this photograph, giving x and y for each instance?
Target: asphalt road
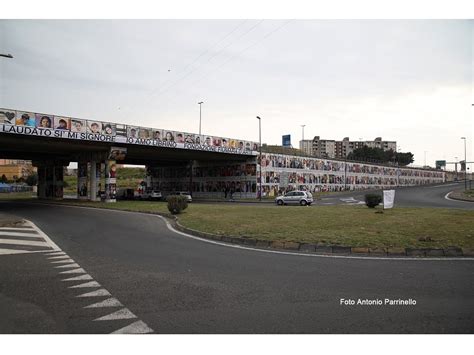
(177, 284)
(413, 196)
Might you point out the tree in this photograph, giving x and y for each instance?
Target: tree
(382, 156)
(4, 179)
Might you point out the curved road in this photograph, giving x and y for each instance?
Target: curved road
(177, 284)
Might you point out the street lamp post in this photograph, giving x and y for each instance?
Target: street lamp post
(302, 136)
(200, 104)
(260, 157)
(465, 164)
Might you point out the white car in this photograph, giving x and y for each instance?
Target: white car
(151, 195)
(303, 198)
(182, 193)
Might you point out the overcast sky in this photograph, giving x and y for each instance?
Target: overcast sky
(408, 81)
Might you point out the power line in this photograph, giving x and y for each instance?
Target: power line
(245, 49)
(220, 51)
(203, 53)
(239, 53)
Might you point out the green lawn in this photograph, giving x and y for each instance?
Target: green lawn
(340, 225)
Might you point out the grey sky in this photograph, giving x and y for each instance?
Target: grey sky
(409, 81)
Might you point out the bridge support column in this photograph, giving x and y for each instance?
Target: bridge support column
(50, 180)
(94, 181)
(41, 192)
(110, 181)
(82, 180)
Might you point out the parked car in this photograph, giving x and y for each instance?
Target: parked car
(151, 195)
(302, 198)
(182, 193)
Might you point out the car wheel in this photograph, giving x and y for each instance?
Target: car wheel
(303, 203)
(280, 203)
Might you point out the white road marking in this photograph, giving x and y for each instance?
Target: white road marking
(24, 242)
(79, 278)
(67, 266)
(451, 199)
(74, 271)
(13, 251)
(137, 327)
(17, 228)
(44, 236)
(59, 257)
(57, 253)
(87, 284)
(123, 313)
(97, 293)
(110, 302)
(65, 261)
(17, 234)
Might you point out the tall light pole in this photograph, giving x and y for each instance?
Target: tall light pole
(424, 165)
(465, 164)
(302, 136)
(260, 158)
(200, 104)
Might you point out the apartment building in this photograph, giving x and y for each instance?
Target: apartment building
(330, 148)
(14, 169)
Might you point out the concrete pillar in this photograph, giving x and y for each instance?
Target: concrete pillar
(82, 180)
(58, 182)
(110, 181)
(41, 182)
(93, 181)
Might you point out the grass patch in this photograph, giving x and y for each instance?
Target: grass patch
(337, 225)
(17, 195)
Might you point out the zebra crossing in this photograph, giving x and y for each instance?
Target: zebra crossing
(28, 238)
(23, 239)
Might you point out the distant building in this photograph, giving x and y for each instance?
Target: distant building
(330, 148)
(306, 146)
(15, 169)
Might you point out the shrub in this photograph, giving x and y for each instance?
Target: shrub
(372, 200)
(176, 204)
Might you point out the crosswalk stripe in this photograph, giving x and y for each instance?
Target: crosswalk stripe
(56, 253)
(74, 271)
(12, 251)
(79, 278)
(24, 242)
(138, 327)
(65, 261)
(87, 284)
(67, 266)
(110, 302)
(24, 236)
(97, 293)
(17, 228)
(59, 257)
(123, 313)
(19, 233)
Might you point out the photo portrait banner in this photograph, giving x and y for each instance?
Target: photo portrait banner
(51, 126)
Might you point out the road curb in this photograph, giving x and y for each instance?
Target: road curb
(452, 196)
(327, 249)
